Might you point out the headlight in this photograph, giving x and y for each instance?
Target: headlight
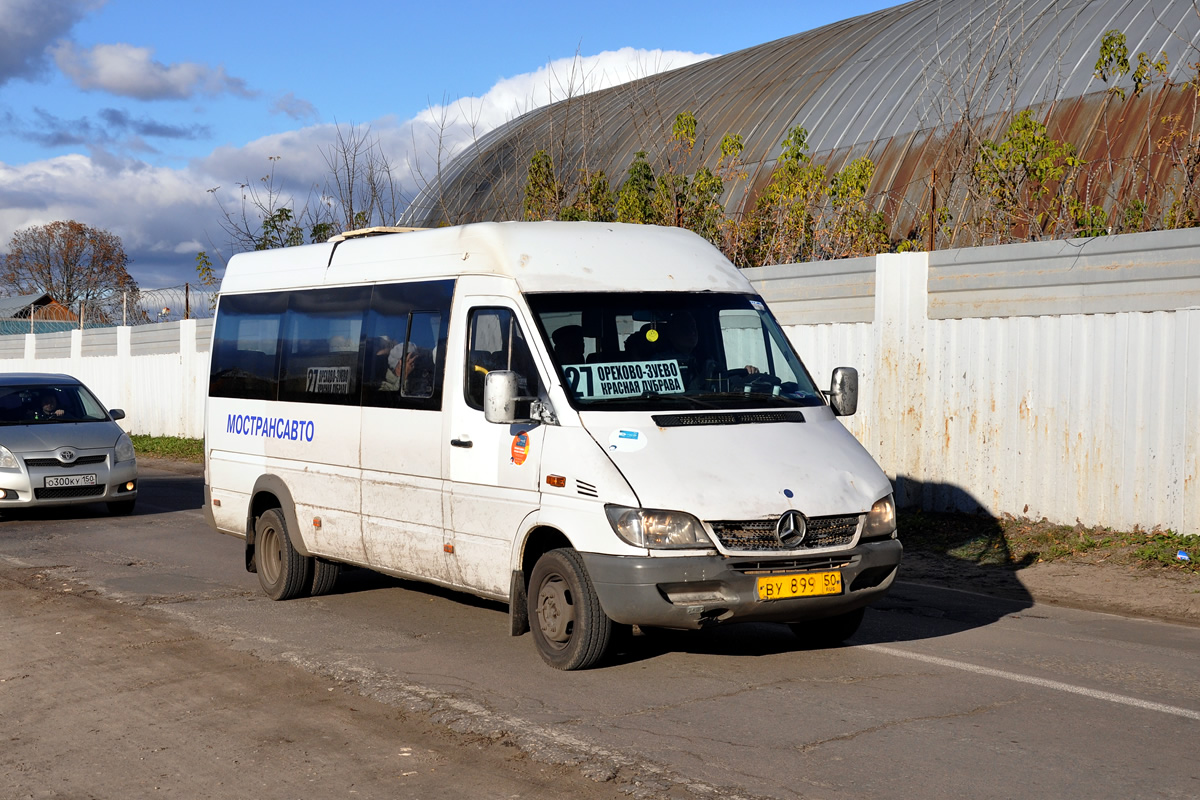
(642, 527)
(124, 448)
(881, 521)
(7, 459)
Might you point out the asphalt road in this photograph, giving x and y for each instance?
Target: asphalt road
(942, 694)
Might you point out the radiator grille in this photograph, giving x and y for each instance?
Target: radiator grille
(54, 462)
(67, 492)
(784, 565)
(726, 418)
(759, 534)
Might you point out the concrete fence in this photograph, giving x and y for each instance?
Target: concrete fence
(1053, 379)
(157, 373)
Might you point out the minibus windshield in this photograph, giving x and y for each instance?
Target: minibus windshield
(653, 351)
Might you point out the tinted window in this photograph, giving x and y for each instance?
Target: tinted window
(406, 329)
(322, 346)
(245, 354)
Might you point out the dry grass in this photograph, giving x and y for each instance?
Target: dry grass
(1017, 542)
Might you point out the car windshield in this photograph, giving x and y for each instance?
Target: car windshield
(48, 403)
(654, 351)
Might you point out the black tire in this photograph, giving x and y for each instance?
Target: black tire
(569, 628)
(830, 631)
(282, 572)
(121, 508)
(325, 575)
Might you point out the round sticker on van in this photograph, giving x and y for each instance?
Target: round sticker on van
(626, 441)
(520, 448)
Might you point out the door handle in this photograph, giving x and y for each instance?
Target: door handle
(460, 442)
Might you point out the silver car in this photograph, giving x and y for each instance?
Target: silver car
(59, 446)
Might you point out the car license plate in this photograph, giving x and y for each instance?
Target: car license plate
(813, 584)
(70, 480)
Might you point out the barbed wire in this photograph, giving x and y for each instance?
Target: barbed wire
(143, 307)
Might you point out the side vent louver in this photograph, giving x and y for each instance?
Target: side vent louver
(586, 489)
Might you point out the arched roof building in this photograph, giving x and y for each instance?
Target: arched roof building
(915, 88)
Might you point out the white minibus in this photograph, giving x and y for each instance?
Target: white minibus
(601, 425)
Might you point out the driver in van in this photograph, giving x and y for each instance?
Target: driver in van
(682, 338)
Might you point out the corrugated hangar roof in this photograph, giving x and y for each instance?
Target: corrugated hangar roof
(894, 85)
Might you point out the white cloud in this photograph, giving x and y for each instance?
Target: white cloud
(27, 27)
(165, 215)
(129, 71)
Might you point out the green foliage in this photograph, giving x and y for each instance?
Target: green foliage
(1024, 179)
(1113, 62)
(1089, 220)
(1133, 219)
(279, 229)
(855, 229)
(543, 194)
(594, 202)
(683, 132)
(635, 198)
(780, 228)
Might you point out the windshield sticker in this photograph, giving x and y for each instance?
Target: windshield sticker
(624, 379)
(520, 448)
(626, 441)
(757, 306)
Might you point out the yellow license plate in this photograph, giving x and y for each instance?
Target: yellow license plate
(813, 584)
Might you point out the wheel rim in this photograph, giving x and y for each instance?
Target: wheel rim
(555, 611)
(271, 555)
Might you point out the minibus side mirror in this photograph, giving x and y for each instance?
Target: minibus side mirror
(843, 391)
(115, 414)
(500, 394)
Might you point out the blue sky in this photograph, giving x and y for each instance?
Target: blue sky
(122, 114)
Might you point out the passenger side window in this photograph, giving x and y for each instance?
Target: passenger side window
(245, 354)
(496, 341)
(322, 346)
(406, 345)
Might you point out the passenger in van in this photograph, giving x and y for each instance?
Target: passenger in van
(568, 344)
(410, 371)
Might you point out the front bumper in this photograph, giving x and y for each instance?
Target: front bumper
(697, 591)
(27, 488)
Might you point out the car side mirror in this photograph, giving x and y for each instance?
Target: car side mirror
(843, 391)
(115, 414)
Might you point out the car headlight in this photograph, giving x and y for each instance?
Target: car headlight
(643, 527)
(7, 459)
(881, 520)
(124, 448)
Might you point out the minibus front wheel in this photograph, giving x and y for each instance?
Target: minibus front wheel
(283, 573)
(569, 627)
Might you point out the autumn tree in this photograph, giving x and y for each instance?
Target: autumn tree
(79, 266)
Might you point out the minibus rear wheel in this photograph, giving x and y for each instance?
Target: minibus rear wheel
(569, 627)
(282, 572)
(325, 575)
